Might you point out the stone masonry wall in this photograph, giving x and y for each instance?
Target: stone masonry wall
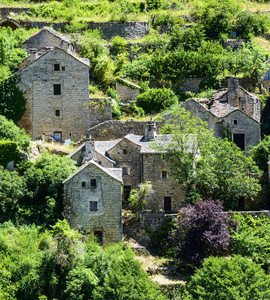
(113, 129)
(153, 165)
(38, 79)
(6, 11)
(126, 93)
(108, 196)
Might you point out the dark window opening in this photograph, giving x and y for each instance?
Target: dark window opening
(239, 140)
(99, 163)
(127, 190)
(235, 122)
(57, 89)
(56, 67)
(93, 206)
(124, 151)
(243, 109)
(83, 184)
(63, 68)
(164, 174)
(124, 171)
(93, 183)
(99, 236)
(241, 203)
(57, 113)
(167, 203)
(70, 134)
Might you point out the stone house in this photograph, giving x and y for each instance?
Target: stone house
(10, 22)
(93, 201)
(47, 38)
(234, 109)
(139, 162)
(56, 85)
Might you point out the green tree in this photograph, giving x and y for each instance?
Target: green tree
(236, 278)
(12, 103)
(43, 202)
(261, 153)
(206, 166)
(7, 288)
(137, 197)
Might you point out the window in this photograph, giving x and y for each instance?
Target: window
(57, 113)
(63, 68)
(57, 89)
(164, 174)
(93, 183)
(56, 67)
(83, 184)
(127, 190)
(93, 206)
(124, 171)
(57, 135)
(235, 122)
(124, 151)
(99, 236)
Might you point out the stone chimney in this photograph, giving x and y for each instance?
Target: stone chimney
(233, 91)
(150, 131)
(89, 153)
(32, 54)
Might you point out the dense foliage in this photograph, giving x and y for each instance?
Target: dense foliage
(8, 152)
(261, 152)
(63, 264)
(10, 132)
(202, 231)
(229, 278)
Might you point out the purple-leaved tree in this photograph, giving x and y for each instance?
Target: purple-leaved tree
(202, 231)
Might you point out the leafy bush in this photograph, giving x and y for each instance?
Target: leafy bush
(7, 288)
(8, 152)
(118, 45)
(202, 231)
(261, 152)
(116, 110)
(155, 100)
(10, 132)
(234, 278)
(252, 238)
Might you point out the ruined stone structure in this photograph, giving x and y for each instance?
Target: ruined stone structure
(10, 22)
(56, 85)
(93, 201)
(233, 109)
(139, 163)
(127, 91)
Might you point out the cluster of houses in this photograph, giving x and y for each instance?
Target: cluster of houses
(56, 84)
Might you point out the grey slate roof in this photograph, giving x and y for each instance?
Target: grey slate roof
(115, 173)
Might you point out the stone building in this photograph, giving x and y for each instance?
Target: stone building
(234, 109)
(56, 85)
(10, 22)
(47, 38)
(93, 201)
(127, 91)
(139, 162)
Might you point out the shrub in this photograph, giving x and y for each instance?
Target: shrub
(10, 132)
(202, 231)
(155, 100)
(235, 278)
(7, 288)
(118, 45)
(260, 153)
(8, 152)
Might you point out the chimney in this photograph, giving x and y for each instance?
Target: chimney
(32, 54)
(89, 153)
(233, 91)
(150, 131)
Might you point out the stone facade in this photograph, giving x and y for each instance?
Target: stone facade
(232, 108)
(128, 92)
(139, 163)
(56, 85)
(93, 201)
(9, 22)
(114, 129)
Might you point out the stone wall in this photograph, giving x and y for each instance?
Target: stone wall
(126, 93)
(234, 44)
(107, 193)
(113, 129)
(152, 219)
(6, 11)
(154, 166)
(75, 116)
